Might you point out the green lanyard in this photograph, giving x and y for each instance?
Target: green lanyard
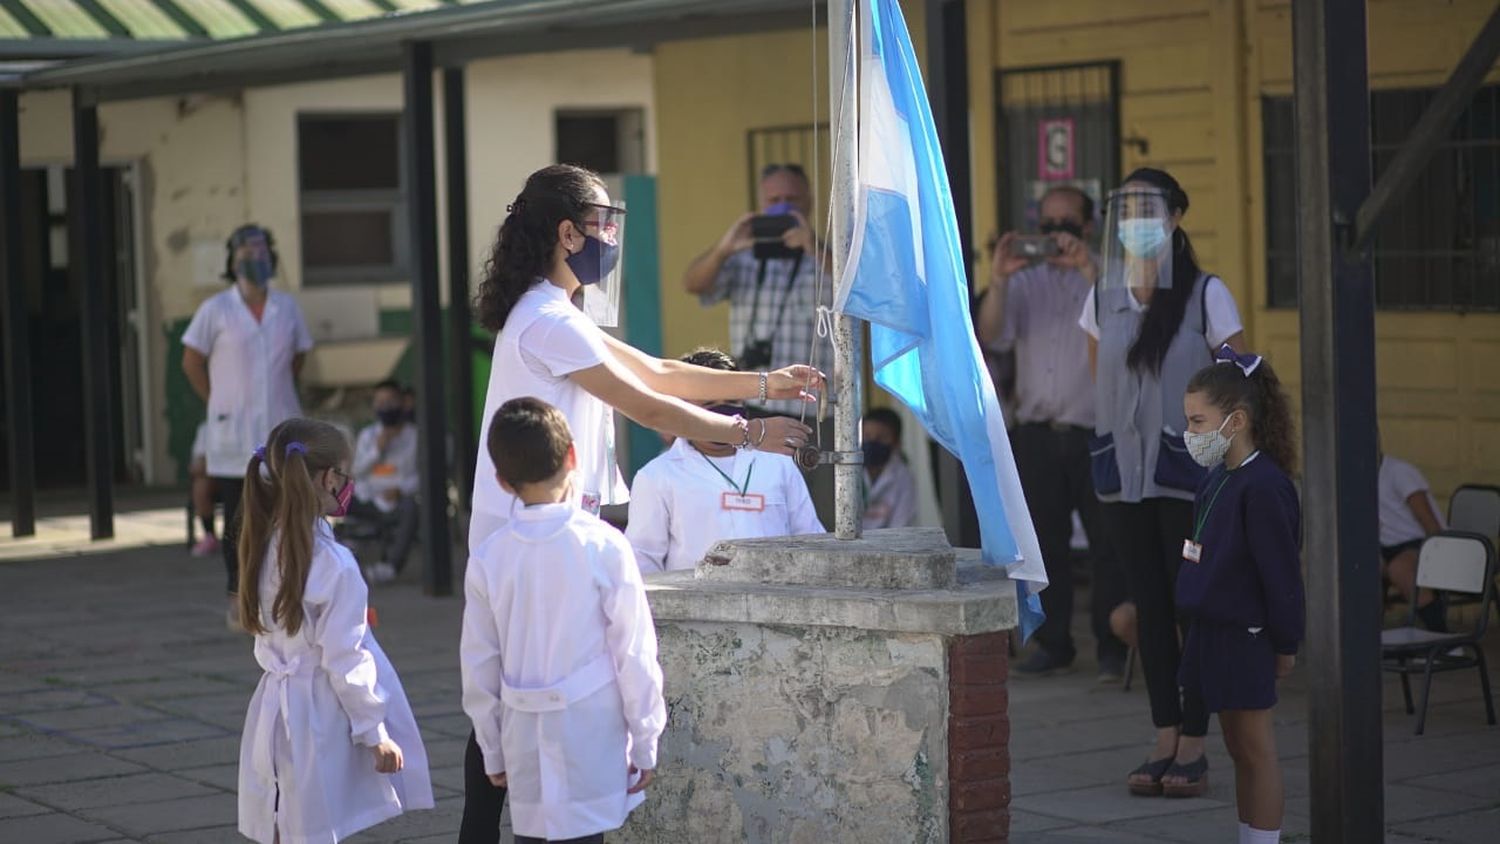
(745, 490)
(1203, 517)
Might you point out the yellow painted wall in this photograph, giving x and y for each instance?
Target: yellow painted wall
(1192, 75)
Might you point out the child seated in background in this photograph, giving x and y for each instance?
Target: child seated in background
(697, 493)
(386, 480)
(1408, 515)
(890, 487)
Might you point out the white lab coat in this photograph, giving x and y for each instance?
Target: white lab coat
(559, 670)
(677, 505)
(545, 340)
(328, 696)
(251, 388)
(891, 501)
(376, 472)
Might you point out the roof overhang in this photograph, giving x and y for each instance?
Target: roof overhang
(458, 35)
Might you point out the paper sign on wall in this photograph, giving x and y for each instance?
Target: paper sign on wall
(1055, 149)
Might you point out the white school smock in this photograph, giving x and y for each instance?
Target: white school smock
(1398, 481)
(560, 676)
(250, 383)
(891, 501)
(328, 696)
(677, 505)
(376, 472)
(546, 339)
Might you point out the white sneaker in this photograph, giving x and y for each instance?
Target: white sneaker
(381, 573)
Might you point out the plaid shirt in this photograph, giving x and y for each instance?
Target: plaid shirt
(792, 335)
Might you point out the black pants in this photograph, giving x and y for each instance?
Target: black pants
(228, 491)
(1053, 463)
(483, 802)
(1148, 540)
(398, 528)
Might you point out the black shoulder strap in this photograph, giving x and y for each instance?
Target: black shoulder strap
(1203, 309)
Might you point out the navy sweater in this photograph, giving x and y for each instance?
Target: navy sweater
(1250, 571)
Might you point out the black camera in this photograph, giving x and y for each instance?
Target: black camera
(756, 356)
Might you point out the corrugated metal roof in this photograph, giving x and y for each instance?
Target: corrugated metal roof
(180, 20)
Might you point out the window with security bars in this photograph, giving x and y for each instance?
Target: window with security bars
(354, 225)
(806, 145)
(1438, 248)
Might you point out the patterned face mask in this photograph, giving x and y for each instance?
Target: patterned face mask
(1208, 449)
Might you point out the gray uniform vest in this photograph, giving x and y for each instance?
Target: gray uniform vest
(1142, 412)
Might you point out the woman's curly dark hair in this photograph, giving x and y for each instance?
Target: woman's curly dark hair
(524, 245)
(1261, 397)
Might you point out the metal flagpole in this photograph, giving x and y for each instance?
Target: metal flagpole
(847, 331)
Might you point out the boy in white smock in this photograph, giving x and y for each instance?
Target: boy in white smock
(558, 648)
(697, 493)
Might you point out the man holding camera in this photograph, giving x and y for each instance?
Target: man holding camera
(1037, 289)
(766, 265)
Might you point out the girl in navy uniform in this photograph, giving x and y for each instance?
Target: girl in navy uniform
(1240, 585)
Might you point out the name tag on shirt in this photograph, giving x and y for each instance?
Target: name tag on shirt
(750, 503)
(590, 503)
(1191, 551)
(381, 470)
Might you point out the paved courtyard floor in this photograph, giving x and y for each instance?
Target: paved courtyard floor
(122, 697)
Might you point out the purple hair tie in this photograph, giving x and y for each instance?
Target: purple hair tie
(1247, 363)
(260, 453)
(295, 447)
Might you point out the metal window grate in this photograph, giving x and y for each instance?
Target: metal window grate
(1438, 249)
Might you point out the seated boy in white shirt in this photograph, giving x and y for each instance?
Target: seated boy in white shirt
(890, 487)
(1408, 515)
(558, 651)
(697, 493)
(386, 480)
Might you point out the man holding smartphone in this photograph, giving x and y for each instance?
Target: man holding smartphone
(1038, 286)
(766, 266)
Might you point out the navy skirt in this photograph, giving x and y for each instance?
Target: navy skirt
(1231, 667)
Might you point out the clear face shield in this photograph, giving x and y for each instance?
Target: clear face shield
(599, 265)
(1137, 239)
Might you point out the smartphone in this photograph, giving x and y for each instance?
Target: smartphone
(1034, 246)
(766, 230)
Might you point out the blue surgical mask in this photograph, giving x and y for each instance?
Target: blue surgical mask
(1143, 237)
(594, 261)
(257, 271)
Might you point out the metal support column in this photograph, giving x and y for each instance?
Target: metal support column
(1338, 419)
(88, 252)
(847, 331)
(432, 423)
(460, 349)
(19, 442)
(948, 93)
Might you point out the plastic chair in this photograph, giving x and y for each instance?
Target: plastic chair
(1453, 562)
(1475, 508)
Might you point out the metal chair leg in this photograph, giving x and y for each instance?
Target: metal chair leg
(1406, 686)
(1426, 691)
(1484, 685)
(1129, 669)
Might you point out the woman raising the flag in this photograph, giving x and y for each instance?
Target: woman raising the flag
(555, 263)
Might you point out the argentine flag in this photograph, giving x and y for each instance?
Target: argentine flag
(905, 276)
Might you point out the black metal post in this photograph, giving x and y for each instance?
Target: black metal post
(460, 349)
(1338, 420)
(19, 442)
(432, 424)
(88, 230)
(948, 93)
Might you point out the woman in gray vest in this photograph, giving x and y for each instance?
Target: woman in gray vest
(1154, 318)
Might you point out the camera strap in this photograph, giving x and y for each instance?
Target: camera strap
(786, 298)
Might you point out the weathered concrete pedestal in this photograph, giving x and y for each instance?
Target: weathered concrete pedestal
(826, 691)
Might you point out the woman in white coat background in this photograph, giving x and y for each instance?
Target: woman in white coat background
(560, 236)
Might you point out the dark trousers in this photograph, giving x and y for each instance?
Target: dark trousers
(483, 802)
(1053, 463)
(1148, 539)
(398, 528)
(228, 491)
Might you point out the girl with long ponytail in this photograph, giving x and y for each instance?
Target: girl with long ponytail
(330, 745)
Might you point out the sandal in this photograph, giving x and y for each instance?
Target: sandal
(1196, 774)
(1155, 770)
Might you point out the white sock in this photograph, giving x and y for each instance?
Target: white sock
(1263, 836)
(1244, 833)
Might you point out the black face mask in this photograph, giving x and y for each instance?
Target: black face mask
(391, 416)
(1051, 227)
(877, 454)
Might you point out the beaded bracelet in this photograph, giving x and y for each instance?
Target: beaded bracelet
(763, 379)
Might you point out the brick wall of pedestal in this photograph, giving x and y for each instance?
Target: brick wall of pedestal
(978, 739)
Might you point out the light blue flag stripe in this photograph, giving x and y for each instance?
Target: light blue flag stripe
(905, 275)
